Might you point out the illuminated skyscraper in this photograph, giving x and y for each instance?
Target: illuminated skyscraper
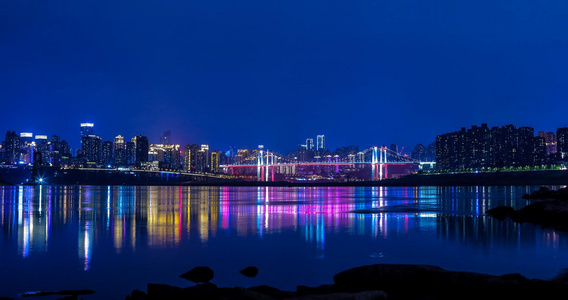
(119, 151)
(42, 146)
(12, 147)
(87, 129)
(309, 144)
(27, 144)
(92, 149)
(187, 158)
(107, 153)
(320, 142)
(550, 141)
(202, 163)
(562, 143)
(215, 161)
(130, 153)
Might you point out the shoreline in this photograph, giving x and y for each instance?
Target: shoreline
(378, 281)
(513, 178)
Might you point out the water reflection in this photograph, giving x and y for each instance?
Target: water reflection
(162, 217)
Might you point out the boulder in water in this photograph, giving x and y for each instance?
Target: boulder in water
(198, 274)
(501, 212)
(249, 271)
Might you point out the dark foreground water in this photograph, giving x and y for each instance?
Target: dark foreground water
(116, 239)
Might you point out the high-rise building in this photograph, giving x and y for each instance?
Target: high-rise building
(562, 143)
(28, 146)
(12, 148)
(91, 147)
(43, 147)
(57, 151)
(87, 129)
(119, 151)
(107, 151)
(538, 154)
(142, 148)
(190, 157)
(215, 161)
(309, 144)
(320, 142)
(187, 158)
(526, 146)
(202, 162)
(480, 147)
(130, 153)
(550, 142)
(166, 156)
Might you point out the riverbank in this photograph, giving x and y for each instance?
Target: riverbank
(105, 177)
(380, 281)
(516, 178)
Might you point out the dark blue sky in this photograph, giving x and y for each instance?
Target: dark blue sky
(274, 72)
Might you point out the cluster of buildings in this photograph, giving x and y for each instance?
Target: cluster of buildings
(319, 146)
(498, 147)
(26, 148)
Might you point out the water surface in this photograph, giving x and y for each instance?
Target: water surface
(114, 239)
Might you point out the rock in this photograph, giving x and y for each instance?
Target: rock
(252, 295)
(162, 291)
(271, 291)
(551, 213)
(366, 295)
(198, 274)
(249, 271)
(201, 291)
(393, 279)
(501, 212)
(302, 290)
(545, 193)
(562, 277)
(229, 293)
(423, 281)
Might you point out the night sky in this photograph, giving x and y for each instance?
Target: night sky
(274, 72)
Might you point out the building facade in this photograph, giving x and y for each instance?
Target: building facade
(320, 139)
(484, 147)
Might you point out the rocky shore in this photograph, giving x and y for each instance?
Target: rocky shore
(550, 209)
(382, 281)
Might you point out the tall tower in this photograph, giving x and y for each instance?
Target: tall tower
(12, 147)
(562, 142)
(310, 144)
(26, 143)
(320, 142)
(119, 151)
(92, 149)
(142, 147)
(86, 130)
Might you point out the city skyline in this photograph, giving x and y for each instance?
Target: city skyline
(239, 74)
(166, 138)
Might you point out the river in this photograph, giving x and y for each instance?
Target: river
(114, 239)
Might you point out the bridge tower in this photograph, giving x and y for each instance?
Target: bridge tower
(378, 162)
(260, 164)
(265, 166)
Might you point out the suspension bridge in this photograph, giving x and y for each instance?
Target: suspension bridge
(267, 163)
